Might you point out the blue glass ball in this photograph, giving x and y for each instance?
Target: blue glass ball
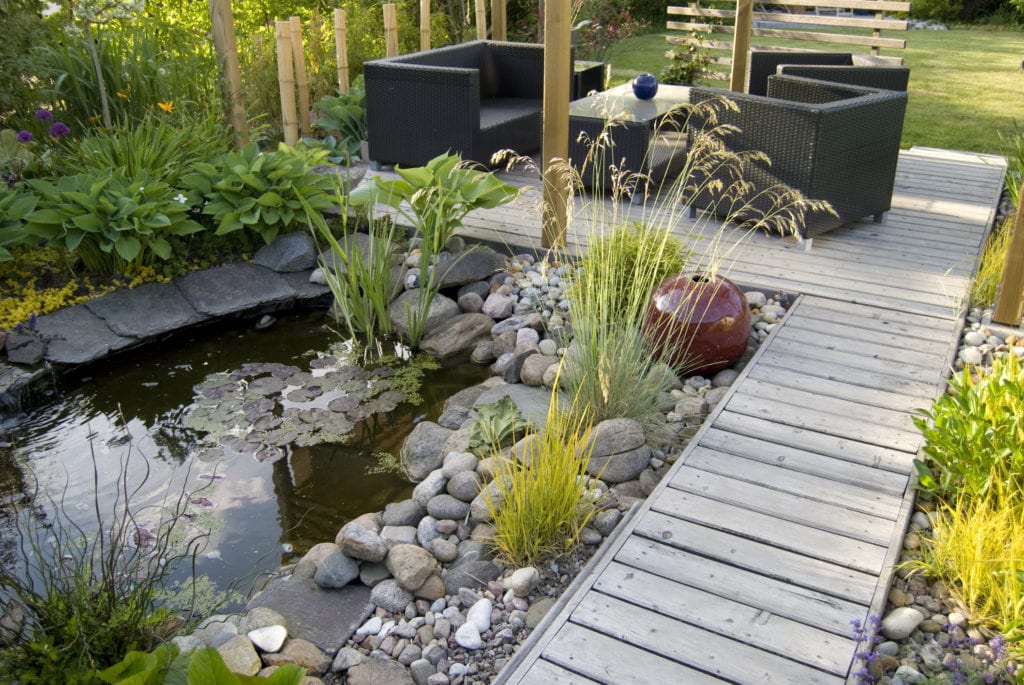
(645, 86)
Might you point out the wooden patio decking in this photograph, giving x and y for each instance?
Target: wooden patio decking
(782, 519)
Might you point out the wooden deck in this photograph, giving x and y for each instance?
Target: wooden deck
(781, 521)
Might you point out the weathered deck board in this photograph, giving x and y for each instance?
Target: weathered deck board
(780, 522)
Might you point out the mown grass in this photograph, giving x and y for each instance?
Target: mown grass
(966, 85)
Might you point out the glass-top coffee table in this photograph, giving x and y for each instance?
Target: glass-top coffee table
(632, 125)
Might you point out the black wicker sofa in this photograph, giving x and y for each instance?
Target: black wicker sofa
(473, 98)
(840, 67)
(830, 141)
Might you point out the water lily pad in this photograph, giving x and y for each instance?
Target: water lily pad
(266, 385)
(343, 404)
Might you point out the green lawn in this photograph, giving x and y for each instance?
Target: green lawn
(966, 86)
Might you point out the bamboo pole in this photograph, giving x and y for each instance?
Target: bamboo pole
(481, 20)
(1011, 288)
(223, 24)
(555, 151)
(341, 49)
(424, 24)
(286, 81)
(390, 30)
(741, 45)
(499, 30)
(299, 60)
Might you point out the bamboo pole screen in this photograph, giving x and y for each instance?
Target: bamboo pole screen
(341, 49)
(223, 26)
(424, 24)
(286, 80)
(390, 30)
(481, 19)
(301, 82)
(499, 30)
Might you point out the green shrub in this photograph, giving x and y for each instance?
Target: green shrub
(974, 435)
(344, 114)
(14, 206)
(497, 425)
(542, 505)
(162, 146)
(202, 667)
(21, 160)
(259, 192)
(112, 222)
(24, 29)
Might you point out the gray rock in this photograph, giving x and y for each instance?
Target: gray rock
(483, 352)
(471, 303)
(463, 486)
(473, 574)
(538, 610)
(619, 451)
(302, 653)
(513, 372)
(351, 242)
(755, 298)
(410, 565)
(433, 484)
(268, 638)
(216, 631)
(468, 267)
(441, 309)
(410, 654)
(899, 623)
(974, 338)
(548, 347)
(447, 507)
(147, 310)
(346, 658)
(421, 452)
(390, 596)
(724, 378)
(405, 513)
(74, 335)
(294, 251)
(427, 531)
(523, 581)
(514, 323)
(349, 176)
(379, 672)
(443, 550)
(604, 522)
(481, 288)
(454, 418)
(532, 402)
(25, 348)
(335, 571)
(490, 496)
(398, 535)
(370, 574)
(233, 289)
(456, 462)
(503, 343)
(497, 306)
(421, 670)
(534, 367)
(240, 656)
(458, 335)
(361, 543)
(187, 643)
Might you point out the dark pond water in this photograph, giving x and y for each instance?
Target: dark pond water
(262, 513)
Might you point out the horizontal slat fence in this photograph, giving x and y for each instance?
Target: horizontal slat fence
(812, 21)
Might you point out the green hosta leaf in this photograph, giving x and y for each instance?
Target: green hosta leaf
(89, 223)
(416, 177)
(161, 248)
(45, 216)
(270, 199)
(206, 667)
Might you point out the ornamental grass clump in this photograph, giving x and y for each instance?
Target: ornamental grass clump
(541, 505)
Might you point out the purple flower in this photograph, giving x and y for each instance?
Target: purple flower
(59, 130)
(24, 137)
(32, 321)
(43, 114)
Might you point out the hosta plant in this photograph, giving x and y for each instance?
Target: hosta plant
(345, 114)
(112, 222)
(259, 191)
(13, 206)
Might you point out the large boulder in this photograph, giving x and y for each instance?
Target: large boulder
(288, 252)
(421, 452)
(457, 336)
(411, 565)
(359, 542)
(441, 309)
(468, 266)
(619, 450)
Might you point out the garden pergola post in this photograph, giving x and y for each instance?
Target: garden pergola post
(424, 24)
(741, 45)
(1011, 287)
(555, 142)
(222, 24)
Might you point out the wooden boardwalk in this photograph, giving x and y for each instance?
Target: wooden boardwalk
(781, 521)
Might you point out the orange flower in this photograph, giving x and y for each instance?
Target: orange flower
(166, 106)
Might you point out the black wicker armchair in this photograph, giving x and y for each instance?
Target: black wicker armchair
(830, 141)
(473, 98)
(839, 67)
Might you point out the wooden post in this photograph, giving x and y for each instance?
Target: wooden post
(499, 30)
(299, 59)
(481, 20)
(556, 122)
(390, 30)
(223, 25)
(424, 24)
(341, 49)
(286, 81)
(741, 45)
(1011, 288)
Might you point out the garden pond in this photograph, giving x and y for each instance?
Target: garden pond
(217, 412)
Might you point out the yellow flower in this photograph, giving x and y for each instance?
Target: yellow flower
(166, 106)
(95, 119)
(125, 94)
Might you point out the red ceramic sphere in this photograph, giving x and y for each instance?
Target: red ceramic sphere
(698, 323)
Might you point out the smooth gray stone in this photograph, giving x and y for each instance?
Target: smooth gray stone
(468, 267)
(77, 336)
(26, 349)
(150, 309)
(327, 618)
(473, 574)
(287, 252)
(234, 288)
(307, 291)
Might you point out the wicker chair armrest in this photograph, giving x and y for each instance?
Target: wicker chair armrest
(765, 63)
(888, 78)
(520, 69)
